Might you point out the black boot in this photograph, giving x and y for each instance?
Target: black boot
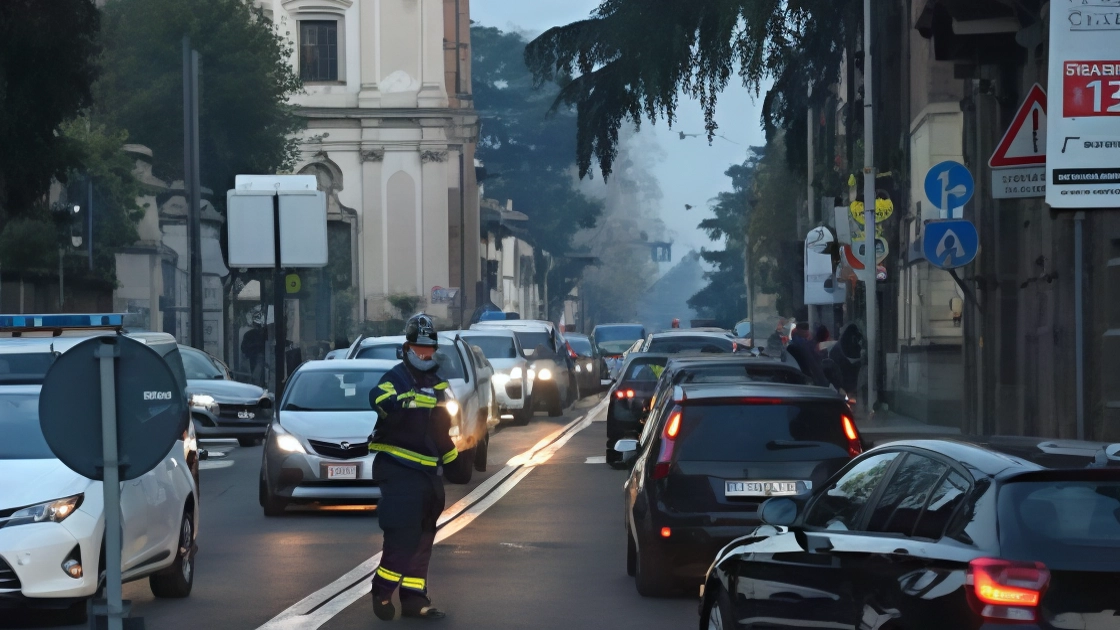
(383, 609)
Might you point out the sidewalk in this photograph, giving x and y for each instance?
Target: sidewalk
(888, 426)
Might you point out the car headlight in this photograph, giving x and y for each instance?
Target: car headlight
(501, 379)
(588, 368)
(545, 374)
(532, 374)
(50, 512)
(289, 444)
(205, 402)
(515, 373)
(579, 369)
(452, 408)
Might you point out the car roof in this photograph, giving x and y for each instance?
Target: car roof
(515, 324)
(494, 331)
(620, 325)
(688, 332)
(708, 391)
(988, 461)
(680, 360)
(400, 339)
(353, 365)
(62, 343)
(20, 389)
(575, 335)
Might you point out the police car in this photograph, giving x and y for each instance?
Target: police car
(51, 518)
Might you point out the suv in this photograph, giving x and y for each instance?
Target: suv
(551, 367)
(511, 382)
(220, 406)
(629, 398)
(676, 341)
(613, 340)
(708, 456)
(55, 515)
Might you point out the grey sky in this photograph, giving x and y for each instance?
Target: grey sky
(692, 172)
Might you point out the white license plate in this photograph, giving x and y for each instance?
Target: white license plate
(342, 472)
(759, 488)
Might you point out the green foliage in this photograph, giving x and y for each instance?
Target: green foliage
(529, 156)
(633, 58)
(115, 190)
(28, 244)
(245, 80)
(48, 54)
(405, 304)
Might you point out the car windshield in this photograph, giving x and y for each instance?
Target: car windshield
(623, 334)
(1061, 523)
(493, 347)
(672, 344)
(334, 390)
(582, 345)
(450, 365)
(25, 366)
(742, 329)
(198, 366)
(741, 373)
(645, 370)
(734, 432)
(530, 339)
(20, 436)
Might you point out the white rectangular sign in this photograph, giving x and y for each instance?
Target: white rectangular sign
(1021, 182)
(1083, 140)
(303, 228)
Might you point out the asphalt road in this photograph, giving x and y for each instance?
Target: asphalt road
(538, 543)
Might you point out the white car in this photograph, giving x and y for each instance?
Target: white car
(470, 378)
(512, 381)
(551, 365)
(52, 519)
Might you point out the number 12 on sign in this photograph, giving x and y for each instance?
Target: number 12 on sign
(1091, 88)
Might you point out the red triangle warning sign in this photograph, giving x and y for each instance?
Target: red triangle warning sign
(1024, 144)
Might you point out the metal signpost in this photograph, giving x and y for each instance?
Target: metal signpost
(1083, 146)
(111, 409)
(294, 212)
(1019, 162)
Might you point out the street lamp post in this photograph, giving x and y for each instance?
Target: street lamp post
(869, 206)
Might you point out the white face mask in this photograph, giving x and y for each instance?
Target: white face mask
(422, 365)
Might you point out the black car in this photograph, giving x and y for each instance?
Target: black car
(935, 534)
(220, 406)
(629, 398)
(613, 340)
(709, 455)
(590, 369)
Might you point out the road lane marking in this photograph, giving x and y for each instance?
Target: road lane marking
(598, 459)
(321, 606)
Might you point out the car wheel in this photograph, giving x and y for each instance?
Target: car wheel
(651, 575)
(614, 458)
(176, 580)
(272, 504)
(480, 453)
(247, 442)
(717, 614)
(631, 555)
(523, 416)
(469, 455)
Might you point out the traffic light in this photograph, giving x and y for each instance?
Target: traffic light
(76, 225)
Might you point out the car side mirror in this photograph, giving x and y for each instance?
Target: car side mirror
(626, 447)
(778, 511)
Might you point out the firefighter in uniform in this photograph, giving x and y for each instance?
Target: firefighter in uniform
(413, 447)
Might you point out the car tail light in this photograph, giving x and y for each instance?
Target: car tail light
(666, 532)
(1007, 592)
(624, 393)
(668, 442)
(855, 447)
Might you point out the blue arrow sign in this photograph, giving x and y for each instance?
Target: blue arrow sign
(950, 243)
(949, 185)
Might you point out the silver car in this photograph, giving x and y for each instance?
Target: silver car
(317, 446)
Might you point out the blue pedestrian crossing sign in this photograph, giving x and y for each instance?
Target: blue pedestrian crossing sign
(949, 185)
(950, 243)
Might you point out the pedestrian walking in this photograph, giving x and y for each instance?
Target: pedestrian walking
(414, 454)
(252, 346)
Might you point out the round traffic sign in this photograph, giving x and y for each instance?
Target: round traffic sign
(151, 409)
(949, 185)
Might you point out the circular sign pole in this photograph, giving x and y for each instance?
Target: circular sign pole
(111, 485)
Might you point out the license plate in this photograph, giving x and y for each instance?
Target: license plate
(759, 488)
(342, 472)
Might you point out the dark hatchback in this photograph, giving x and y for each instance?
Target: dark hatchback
(629, 399)
(220, 406)
(708, 456)
(933, 534)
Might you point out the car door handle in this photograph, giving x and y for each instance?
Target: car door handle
(902, 552)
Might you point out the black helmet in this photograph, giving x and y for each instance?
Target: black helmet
(420, 330)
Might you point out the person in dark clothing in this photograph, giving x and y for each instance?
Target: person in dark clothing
(413, 447)
(252, 346)
(804, 350)
(847, 356)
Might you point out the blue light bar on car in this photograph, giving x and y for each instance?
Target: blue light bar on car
(92, 320)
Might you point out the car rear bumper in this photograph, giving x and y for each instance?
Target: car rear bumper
(690, 550)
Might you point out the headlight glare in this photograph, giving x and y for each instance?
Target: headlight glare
(588, 368)
(501, 379)
(545, 374)
(205, 402)
(515, 373)
(452, 408)
(289, 443)
(52, 511)
(579, 369)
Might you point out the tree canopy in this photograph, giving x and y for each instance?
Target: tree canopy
(632, 59)
(48, 61)
(245, 80)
